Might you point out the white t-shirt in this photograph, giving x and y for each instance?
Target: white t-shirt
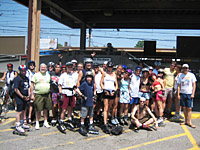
(134, 85)
(67, 81)
(97, 82)
(186, 82)
(75, 76)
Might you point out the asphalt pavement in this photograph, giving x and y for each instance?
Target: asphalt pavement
(172, 136)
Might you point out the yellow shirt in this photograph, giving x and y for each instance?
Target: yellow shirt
(169, 78)
(42, 83)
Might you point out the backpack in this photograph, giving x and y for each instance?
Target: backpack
(117, 130)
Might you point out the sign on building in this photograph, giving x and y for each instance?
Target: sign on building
(48, 43)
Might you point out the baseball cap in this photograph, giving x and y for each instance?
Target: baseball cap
(185, 66)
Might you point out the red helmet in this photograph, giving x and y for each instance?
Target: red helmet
(10, 65)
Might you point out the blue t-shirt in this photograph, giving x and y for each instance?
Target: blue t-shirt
(87, 90)
(22, 84)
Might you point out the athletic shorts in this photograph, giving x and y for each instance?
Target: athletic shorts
(146, 95)
(169, 92)
(42, 101)
(55, 98)
(186, 100)
(159, 96)
(108, 96)
(134, 100)
(99, 97)
(86, 111)
(21, 107)
(68, 101)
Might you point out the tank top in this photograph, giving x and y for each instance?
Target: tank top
(10, 76)
(109, 82)
(124, 86)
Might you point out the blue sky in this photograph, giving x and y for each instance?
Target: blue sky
(14, 21)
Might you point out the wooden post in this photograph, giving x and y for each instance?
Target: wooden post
(34, 31)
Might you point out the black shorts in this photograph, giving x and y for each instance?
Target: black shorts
(105, 96)
(99, 97)
(21, 107)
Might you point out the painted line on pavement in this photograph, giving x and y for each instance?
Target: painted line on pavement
(11, 140)
(194, 115)
(50, 133)
(191, 138)
(5, 130)
(9, 120)
(156, 141)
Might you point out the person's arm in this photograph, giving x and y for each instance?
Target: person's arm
(80, 75)
(31, 89)
(102, 79)
(116, 83)
(154, 118)
(178, 91)
(193, 90)
(94, 82)
(133, 113)
(16, 73)
(4, 76)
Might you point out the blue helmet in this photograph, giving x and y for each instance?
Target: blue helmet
(124, 66)
(22, 67)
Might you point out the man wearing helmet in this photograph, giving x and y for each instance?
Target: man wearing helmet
(29, 73)
(9, 76)
(86, 90)
(21, 87)
(67, 86)
(157, 67)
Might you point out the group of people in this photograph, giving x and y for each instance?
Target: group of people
(106, 94)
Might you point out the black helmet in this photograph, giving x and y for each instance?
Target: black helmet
(31, 62)
(110, 64)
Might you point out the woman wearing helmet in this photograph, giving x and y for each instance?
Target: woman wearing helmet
(21, 87)
(51, 66)
(109, 85)
(125, 97)
(145, 85)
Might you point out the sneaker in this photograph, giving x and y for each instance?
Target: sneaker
(125, 120)
(46, 125)
(106, 129)
(181, 116)
(175, 117)
(160, 119)
(53, 122)
(20, 129)
(25, 126)
(92, 129)
(121, 121)
(83, 130)
(62, 128)
(116, 120)
(113, 121)
(37, 126)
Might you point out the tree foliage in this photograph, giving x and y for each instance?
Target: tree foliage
(140, 44)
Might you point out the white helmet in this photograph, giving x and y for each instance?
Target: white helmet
(74, 61)
(88, 60)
